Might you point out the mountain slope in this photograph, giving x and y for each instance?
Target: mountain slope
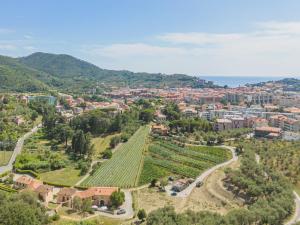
(73, 69)
(43, 71)
(18, 77)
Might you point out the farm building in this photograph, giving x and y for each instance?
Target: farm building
(25, 182)
(181, 184)
(159, 129)
(100, 196)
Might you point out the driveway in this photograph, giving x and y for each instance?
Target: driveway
(187, 191)
(18, 149)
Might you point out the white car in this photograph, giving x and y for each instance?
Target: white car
(103, 208)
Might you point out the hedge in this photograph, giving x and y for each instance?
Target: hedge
(6, 188)
(81, 187)
(56, 184)
(29, 172)
(4, 174)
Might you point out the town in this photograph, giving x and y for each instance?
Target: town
(203, 122)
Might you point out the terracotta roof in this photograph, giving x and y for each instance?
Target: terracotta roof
(24, 180)
(35, 184)
(30, 182)
(44, 189)
(269, 129)
(67, 191)
(96, 191)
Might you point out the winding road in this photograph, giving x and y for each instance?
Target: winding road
(18, 149)
(187, 191)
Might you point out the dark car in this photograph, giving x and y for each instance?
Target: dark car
(173, 193)
(199, 184)
(121, 211)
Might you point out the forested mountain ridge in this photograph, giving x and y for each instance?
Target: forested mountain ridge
(40, 71)
(15, 76)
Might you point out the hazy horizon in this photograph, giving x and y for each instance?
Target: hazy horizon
(196, 37)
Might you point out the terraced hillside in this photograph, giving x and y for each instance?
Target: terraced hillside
(122, 170)
(166, 158)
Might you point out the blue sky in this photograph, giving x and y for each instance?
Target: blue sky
(203, 37)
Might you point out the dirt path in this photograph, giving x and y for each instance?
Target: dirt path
(187, 191)
(210, 196)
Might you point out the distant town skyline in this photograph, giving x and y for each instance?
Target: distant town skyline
(211, 38)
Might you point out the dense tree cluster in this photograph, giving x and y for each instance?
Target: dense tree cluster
(21, 209)
(280, 156)
(268, 194)
(190, 125)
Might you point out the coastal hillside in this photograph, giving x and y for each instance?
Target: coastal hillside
(42, 71)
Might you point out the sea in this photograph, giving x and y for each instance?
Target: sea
(236, 81)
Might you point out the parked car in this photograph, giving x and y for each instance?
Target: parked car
(121, 211)
(103, 208)
(171, 179)
(173, 193)
(94, 207)
(199, 184)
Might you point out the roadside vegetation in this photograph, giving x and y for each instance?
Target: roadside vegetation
(16, 118)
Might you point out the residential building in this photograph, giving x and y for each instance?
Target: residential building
(159, 129)
(45, 193)
(223, 124)
(25, 182)
(268, 132)
(99, 196)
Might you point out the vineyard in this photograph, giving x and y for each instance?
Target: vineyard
(122, 170)
(165, 158)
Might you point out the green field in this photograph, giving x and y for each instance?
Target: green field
(122, 170)
(5, 157)
(65, 176)
(165, 158)
(101, 144)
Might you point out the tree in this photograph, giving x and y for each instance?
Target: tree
(86, 205)
(147, 115)
(34, 115)
(63, 132)
(142, 214)
(114, 141)
(117, 198)
(22, 209)
(81, 143)
(153, 182)
(77, 203)
(107, 154)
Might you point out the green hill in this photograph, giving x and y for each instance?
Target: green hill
(42, 71)
(18, 77)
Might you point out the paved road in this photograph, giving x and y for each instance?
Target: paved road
(187, 191)
(18, 149)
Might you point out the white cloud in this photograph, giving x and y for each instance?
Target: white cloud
(272, 48)
(7, 47)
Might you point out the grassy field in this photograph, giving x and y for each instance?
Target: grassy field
(122, 169)
(66, 176)
(101, 144)
(63, 211)
(165, 158)
(5, 157)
